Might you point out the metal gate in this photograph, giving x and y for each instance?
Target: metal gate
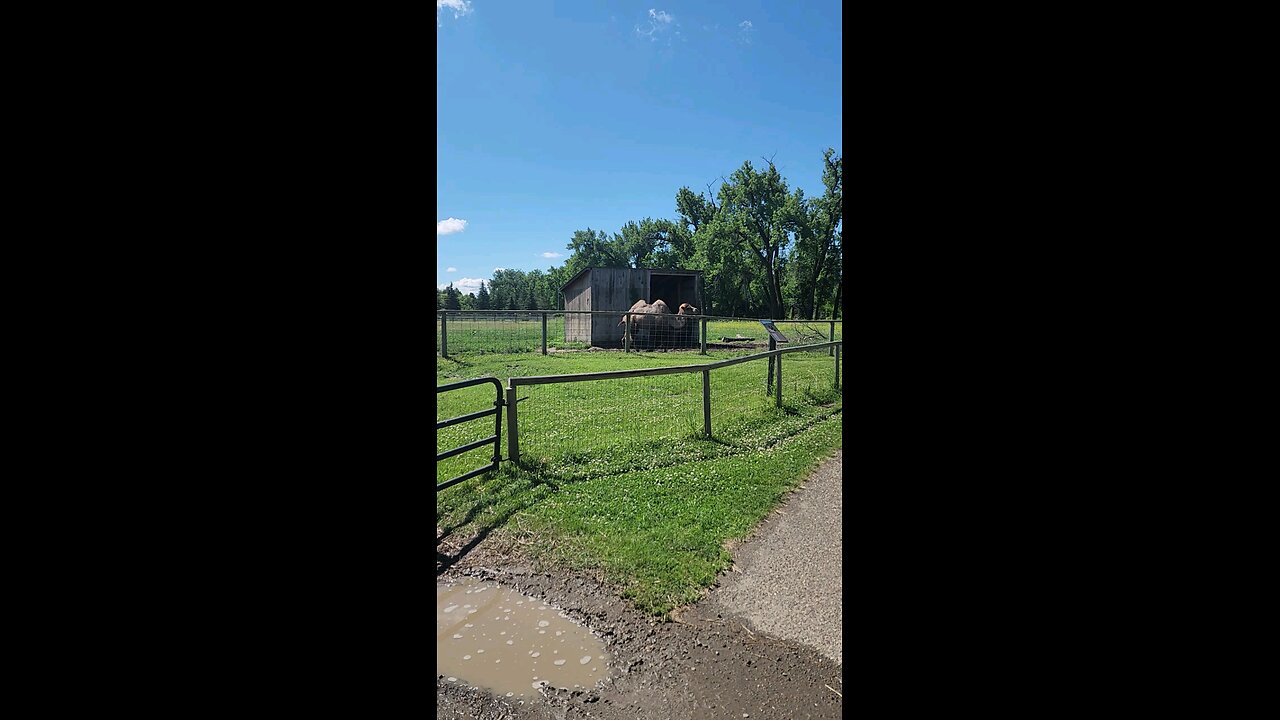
(496, 438)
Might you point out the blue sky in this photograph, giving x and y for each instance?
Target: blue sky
(558, 116)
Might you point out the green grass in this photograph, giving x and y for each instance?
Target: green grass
(648, 506)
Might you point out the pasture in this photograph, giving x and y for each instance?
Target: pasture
(616, 477)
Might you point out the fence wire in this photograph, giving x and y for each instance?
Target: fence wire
(506, 331)
(805, 332)
(740, 400)
(808, 379)
(600, 426)
(497, 332)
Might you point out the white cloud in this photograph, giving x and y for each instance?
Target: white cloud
(550, 254)
(497, 269)
(459, 7)
(452, 225)
(464, 285)
(452, 269)
(746, 30)
(658, 22)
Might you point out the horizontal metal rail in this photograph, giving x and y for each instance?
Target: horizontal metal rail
(468, 383)
(464, 476)
(469, 446)
(463, 418)
(645, 372)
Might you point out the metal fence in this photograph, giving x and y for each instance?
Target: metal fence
(655, 408)
(471, 332)
(494, 409)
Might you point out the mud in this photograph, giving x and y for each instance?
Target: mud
(508, 643)
(708, 663)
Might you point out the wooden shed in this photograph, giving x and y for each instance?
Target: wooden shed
(616, 290)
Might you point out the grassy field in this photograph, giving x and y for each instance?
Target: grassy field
(615, 476)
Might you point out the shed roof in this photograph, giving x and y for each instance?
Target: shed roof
(574, 279)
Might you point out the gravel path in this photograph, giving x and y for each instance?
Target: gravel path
(790, 582)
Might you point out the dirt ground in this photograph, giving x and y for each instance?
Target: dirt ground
(709, 663)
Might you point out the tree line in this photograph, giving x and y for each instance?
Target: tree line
(765, 250)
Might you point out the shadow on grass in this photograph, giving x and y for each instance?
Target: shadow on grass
(518, 486)
(516, 489)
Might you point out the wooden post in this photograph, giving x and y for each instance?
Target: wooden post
(544, 332)
(706, 403)
(831, 336)
(513, 441)
(778, 388)
(626, 334)
(444, 335)
(768, 384)
(704, 343)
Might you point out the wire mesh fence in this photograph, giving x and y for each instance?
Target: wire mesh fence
(475, 333)
(804, 332)
(807, 378)
(613, 425)
(740, 400)
(462, 332)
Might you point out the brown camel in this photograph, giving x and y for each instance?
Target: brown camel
(655, 316)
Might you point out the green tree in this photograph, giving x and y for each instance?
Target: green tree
(451, 300)
(816, 269)
(740, 237)
(556, 278)
(537, 290)
(482, 299)
(591, 248)
(509, 290)
(757, 212)
(654, 244)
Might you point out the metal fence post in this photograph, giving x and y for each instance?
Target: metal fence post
(704, 344)
(444, 335)
(513, 441)
(837, 349)
(831, 337)
(544, 333)
(706, 403)
(497, 429)
(778, 387)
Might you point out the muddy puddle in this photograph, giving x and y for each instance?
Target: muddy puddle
(492, 637)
